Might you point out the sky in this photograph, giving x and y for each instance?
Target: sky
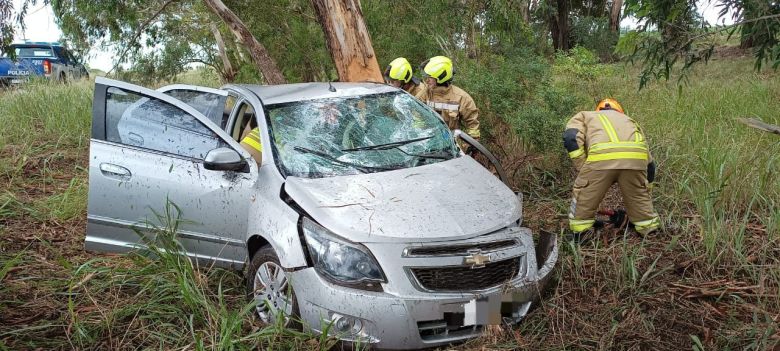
(40, 26)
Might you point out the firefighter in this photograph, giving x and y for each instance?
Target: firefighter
(456, 107)
(399, 74)
(608, 147)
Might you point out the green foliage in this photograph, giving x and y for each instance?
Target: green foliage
(6, 26)
(762, 35)
(682, 35)
(593, 33)
(519, 90)
(67, 205)
(10, 206)
(579, 63)
(158, 39)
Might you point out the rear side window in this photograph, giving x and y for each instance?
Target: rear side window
(33, 52)
(146, 122)
(210, 105)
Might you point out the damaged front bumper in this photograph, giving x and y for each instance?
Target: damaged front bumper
(406, 315)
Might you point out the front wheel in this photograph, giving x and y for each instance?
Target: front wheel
(271, 290)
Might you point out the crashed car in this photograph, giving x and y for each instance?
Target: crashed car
(363, 218)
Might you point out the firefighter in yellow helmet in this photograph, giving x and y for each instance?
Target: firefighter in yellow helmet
(455, 105)
(608, 147)
(399, 74)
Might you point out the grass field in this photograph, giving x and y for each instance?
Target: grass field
(709, 281)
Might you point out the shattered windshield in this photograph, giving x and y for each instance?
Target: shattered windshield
(369, 133)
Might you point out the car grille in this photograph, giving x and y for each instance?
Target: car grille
(441, 330)
(459, 249)
(463, 278)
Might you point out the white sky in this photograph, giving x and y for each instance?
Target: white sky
(41, 27)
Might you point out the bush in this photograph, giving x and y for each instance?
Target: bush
(594, 34)
(518, 90)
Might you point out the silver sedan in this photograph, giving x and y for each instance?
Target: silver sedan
(359, 210)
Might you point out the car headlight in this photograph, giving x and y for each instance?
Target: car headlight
(343, 262)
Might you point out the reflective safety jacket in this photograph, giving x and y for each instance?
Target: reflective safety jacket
(456, 107)
(607, 139)
(416, 88)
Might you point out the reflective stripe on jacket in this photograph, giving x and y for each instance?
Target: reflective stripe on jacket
(456, 107)
(253, 140)
(607, 139)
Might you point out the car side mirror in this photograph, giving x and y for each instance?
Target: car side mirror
(225, 159)
(493, 160)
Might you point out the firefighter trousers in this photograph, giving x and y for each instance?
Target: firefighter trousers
(590, 187)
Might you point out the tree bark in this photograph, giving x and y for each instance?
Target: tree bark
(228, 73)
(347, 39)
(614, 15)
(264, 62)
(525, 11)
(758, 124)
(559, 26)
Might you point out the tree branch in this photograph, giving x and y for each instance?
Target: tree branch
(267, 66)
(138, 34)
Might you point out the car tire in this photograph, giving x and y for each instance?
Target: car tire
(268, 284)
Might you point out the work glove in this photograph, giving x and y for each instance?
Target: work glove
(651, 172)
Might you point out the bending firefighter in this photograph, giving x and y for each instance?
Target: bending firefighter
(455, 105)
(399, 74)
(608, 147)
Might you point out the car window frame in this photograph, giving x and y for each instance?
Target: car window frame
(197, 88)
(102, 85)
(246, 95)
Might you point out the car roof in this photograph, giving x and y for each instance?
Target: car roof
(282, 93)
(37, 44)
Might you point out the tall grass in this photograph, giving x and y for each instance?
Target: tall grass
(46, 113)
(718, 191)
(724, 171)
(166, 301)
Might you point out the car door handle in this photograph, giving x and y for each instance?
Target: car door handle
(114, 171)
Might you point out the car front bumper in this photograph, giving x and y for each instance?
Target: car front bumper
(392, 320)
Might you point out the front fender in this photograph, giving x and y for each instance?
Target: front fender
(277, 223)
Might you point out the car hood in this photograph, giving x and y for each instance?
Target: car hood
(454, 199)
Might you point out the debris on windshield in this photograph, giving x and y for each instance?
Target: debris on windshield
(323, 137)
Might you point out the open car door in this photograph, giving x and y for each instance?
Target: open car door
(148, 148)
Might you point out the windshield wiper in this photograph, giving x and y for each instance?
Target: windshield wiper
(361, 168)
(388, 146)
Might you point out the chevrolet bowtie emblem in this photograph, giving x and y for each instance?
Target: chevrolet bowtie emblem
(476, 259)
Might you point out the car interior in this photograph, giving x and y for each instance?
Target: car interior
(245, 122)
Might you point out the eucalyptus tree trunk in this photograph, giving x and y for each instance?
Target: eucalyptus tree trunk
(614, 15)
(347, 39)
(228, 73)
(257, 51)
(559, 26)
(525, 11)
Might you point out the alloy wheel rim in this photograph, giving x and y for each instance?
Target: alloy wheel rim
(272, 293)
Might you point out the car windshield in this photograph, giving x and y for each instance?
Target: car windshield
(369, 133)
(33, 52)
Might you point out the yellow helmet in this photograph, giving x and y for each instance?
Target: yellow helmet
(399, 69)
(609, 104)
(438, 67)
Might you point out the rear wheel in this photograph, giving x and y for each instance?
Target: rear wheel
(270, 288)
